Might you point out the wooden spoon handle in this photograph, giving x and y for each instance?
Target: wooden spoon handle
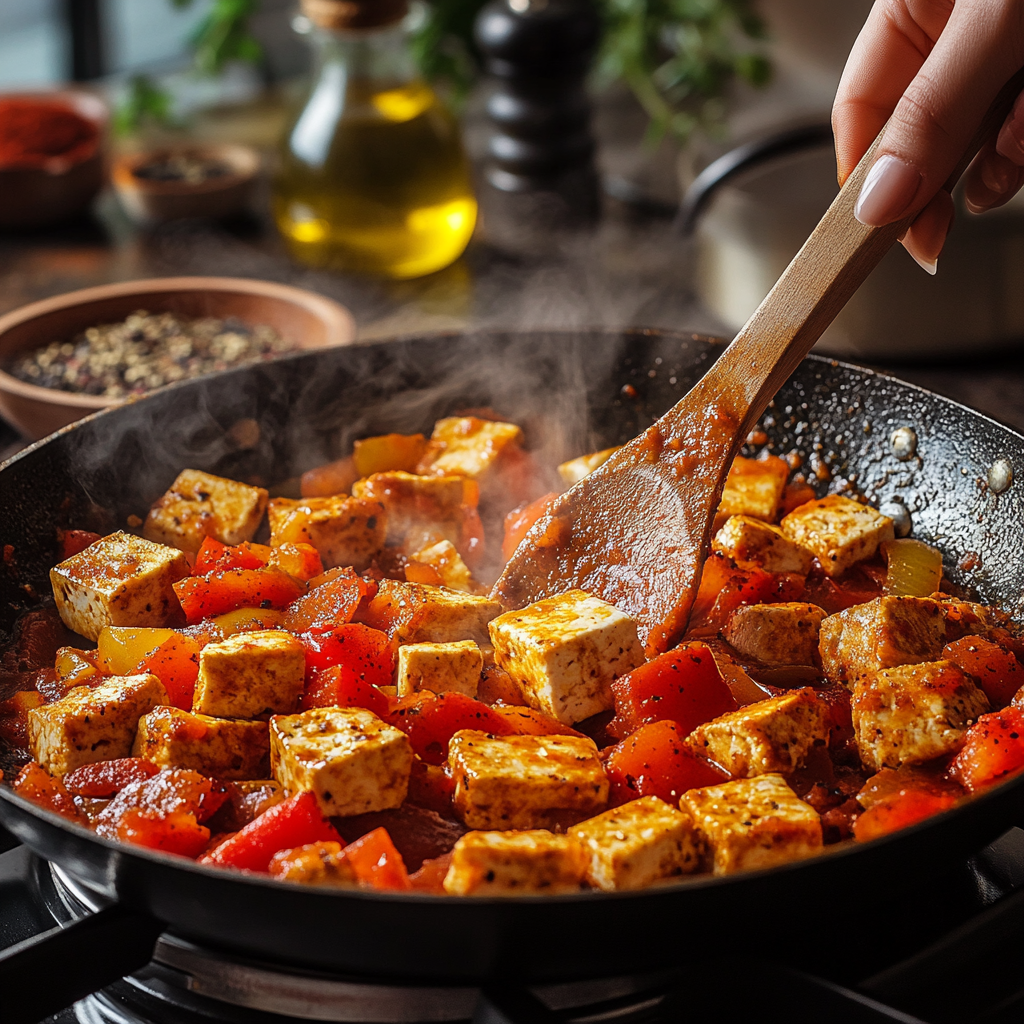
(824, 274)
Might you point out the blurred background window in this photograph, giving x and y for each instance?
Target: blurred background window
(33, 43)
(149, 35)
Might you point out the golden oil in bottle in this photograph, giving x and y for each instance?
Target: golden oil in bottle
(372, 176)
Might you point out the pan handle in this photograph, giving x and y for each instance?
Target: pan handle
(75, 960)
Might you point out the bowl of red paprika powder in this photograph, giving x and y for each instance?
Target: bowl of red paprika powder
(51, 156)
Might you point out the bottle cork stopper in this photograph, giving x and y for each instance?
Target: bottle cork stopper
(345, 14)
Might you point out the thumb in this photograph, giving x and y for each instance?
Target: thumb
(981, 47)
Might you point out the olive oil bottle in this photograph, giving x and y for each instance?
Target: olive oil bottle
(372, 176)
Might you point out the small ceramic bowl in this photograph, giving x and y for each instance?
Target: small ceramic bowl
(32, 197)
(150, 201)
(306, 319)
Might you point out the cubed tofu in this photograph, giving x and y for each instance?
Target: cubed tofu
(914, 713)
(468, 446)
(573, 471)
(524, 782)
(634, 845)
(776, 634)
(347, 757)
(416, 613)
(199, 505)
(753, 823)
(883, 633)
(250, 674)
(421, 510)
(446, 561)
(513, 863)
(344, 530)
(120, 580)
(753, 488)
(441, 668)
(226, 748)
(565, 652)
(320, 863)
(966, 618)
(92, 724)
(749, 540)
(838, 530)
(773, 735)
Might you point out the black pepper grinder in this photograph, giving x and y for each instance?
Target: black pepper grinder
(540, 51)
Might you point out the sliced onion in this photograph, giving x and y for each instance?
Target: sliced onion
(915, 568)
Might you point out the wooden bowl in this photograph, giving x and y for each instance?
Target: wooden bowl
(33, 197)
(150, 202)
(306, 319)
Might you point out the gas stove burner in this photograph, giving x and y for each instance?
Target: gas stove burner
(188, 984)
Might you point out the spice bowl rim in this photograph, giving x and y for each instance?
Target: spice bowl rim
(37, 411)
(244, 163)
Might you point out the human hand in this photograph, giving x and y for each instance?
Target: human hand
(931, 68)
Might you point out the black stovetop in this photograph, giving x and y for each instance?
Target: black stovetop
(951, 957)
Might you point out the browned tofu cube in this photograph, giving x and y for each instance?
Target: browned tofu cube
(417, 613)
(525, 782)
(200, 505)
(250, 674)
(347, 757)
(421, 510)
(747, 539)
(573, 471)
(320, 863)
(753, 488)
(92, 724)
(469, 446)
(631, 846)
(914, 713)
(120, 580)
(344, 530)
(513, 863)
(773, 735)
(224, 748)
(451, 570)
(883, 633)
(440, 668)
(753, 823)
(838, 530)
(776, 634)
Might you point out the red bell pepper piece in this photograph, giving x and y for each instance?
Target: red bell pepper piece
(172, 832)
(345, 665)
(654, 761)
(430, 722)
(176, 664)
(105, 778)
(431, 786)
(725, 585)
(213, 556)
(530, 722)
(74, 541)
(332, 600)
(203, 597)
(35, 783)
(993, 750)
(519, 521)
(681, 685)
(995, 670)
(898, 812)
(376, 862)
(294, 822)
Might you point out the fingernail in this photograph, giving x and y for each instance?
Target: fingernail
(995, 176)
(1010, 142)
(887, 191)
(931, 266)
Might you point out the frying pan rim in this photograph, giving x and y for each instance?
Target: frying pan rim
(702, 881)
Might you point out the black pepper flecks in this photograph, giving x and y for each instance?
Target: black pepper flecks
(146, 351)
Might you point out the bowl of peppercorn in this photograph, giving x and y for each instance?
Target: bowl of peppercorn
(209, 182)
(71, 355)
(51, 156)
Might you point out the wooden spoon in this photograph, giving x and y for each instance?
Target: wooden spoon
(636, 531)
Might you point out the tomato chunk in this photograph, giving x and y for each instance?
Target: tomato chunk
(332, 600)
(73, 541)
(203, 597)
(994, 749)
(898, 812)
(997, 671)
(174, 832)
(683, 686)
(654, 761)
(105, 778)
(430, 722)
(519, 521)
(430, 786)
(35, 783)
(725, 585)
(296, 821)
(376, 862)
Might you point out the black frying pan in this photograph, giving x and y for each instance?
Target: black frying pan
(569, 390)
